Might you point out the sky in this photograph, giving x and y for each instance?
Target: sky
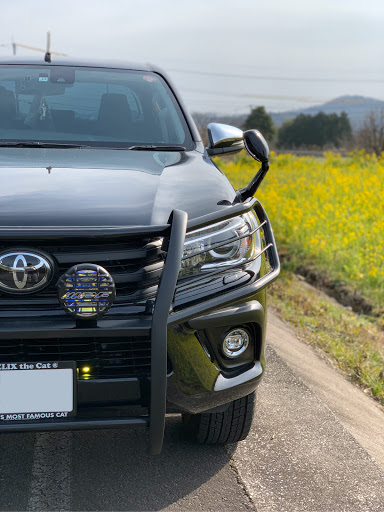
(223, 56)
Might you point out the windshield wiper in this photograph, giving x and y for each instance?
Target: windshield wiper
(149, 147)
(58, 145)
(36, 144)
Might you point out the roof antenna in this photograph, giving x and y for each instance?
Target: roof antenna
(47, 56)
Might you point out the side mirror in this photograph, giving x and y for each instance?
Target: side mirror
(258, 148)
(223, 138)
(256, 145)
(228, 139)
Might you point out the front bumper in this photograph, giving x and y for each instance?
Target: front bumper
(194, 386)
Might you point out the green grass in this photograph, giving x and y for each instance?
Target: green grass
(353, 342)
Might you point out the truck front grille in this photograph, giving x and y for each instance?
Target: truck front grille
(135, 266)
(107, 358)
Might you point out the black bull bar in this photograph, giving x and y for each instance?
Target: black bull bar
(163, 315)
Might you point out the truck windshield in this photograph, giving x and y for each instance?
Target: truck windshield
(89, 106)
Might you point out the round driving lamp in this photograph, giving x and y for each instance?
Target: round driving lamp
(86, 291)
(235, 343)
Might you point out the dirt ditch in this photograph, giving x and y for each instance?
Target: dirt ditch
(338, 290)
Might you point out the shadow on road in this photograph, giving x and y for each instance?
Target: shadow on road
(113, 471)
(16, 456)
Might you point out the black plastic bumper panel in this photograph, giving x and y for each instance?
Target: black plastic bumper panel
(76, 424)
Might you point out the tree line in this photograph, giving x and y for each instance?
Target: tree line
(320, 131)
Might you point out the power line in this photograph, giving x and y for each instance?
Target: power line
(39, 49)
(33, 48)
(252, 96)
(221, 95)
(275, 78)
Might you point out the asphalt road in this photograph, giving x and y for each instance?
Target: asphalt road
(317, 444)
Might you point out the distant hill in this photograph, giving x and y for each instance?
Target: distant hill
(357, 108)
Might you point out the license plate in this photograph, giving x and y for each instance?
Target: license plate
(37, 391)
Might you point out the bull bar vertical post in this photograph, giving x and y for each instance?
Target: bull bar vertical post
(163, 304)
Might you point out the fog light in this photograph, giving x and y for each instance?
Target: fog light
(86, 291)
(235, 343)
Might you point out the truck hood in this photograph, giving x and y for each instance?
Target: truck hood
(94, 187)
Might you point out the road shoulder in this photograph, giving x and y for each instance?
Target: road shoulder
(356, 411)
(302, 454)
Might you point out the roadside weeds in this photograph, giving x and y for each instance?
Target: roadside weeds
(353, 342)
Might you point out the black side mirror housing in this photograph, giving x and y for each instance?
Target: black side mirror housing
(256, 145)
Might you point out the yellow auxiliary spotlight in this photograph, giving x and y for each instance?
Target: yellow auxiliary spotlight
(86, 291)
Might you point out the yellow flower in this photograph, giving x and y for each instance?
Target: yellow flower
(327, 210)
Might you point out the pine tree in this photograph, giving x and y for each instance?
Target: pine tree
(262, 121)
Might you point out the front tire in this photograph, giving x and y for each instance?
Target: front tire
(225, 427)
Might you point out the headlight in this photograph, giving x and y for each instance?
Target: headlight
(224, 244)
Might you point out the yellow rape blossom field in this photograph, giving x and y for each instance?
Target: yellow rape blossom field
(326, 212)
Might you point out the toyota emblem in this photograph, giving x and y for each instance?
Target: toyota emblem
(24, 272)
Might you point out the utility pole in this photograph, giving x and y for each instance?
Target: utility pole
(33, 48)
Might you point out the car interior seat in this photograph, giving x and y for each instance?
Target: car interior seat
(115, 116)
(7, 108)
(64, 120)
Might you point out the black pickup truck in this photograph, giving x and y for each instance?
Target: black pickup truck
(132, 274)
